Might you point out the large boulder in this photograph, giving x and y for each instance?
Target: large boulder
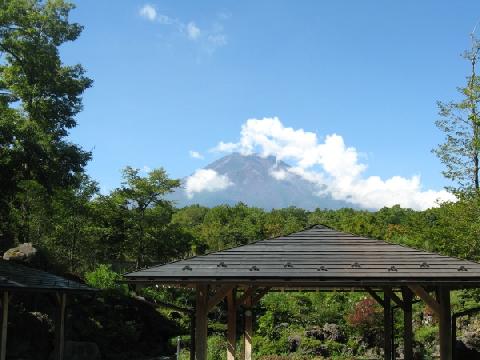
(334, 332)
(23, 252)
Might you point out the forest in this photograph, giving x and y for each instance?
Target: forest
(48, 199)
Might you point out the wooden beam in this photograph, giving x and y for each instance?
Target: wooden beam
(407, 297)
(201, 322)
(248, 329)
(394, 297)
(429, 300)
(260, 295)
(220, 294)
(192, 336)
(445, 324)
(60, 326)
(5, 301)
(387, 327)
(375, 296)
(247, 293)
(231, 325)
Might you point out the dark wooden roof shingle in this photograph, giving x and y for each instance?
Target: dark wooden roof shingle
(17, 277)
(318, 256)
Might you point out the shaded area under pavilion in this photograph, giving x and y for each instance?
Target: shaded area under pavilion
(16, 278)
(318, 258)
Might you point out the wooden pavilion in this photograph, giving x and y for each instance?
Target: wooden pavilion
(318, 258)
(16, 278)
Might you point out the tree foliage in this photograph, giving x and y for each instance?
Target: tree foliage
(460, 122)
(39, 98)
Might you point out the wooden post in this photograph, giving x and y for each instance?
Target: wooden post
(445, 324)
(407, 324)
(60, 327)
(248, 331)
(231, 325)
(387, 327)
(192, 336)
(3, 352)
(201, 322)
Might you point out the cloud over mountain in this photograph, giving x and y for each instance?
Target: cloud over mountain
(332, 165)
(206, 180)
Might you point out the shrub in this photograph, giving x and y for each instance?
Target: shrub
(309, 346)
(367, 320)
(217, 348)
(103, 277)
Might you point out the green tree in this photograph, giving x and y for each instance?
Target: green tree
(39, 98)
(150, 214)
(460, 123)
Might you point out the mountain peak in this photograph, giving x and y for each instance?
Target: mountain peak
(255, 181)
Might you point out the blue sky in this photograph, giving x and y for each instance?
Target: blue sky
(191, 75)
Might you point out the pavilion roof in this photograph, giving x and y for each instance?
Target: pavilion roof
(18, 277)
(316, 257)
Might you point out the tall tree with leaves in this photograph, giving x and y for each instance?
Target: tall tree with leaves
(149, 215)
(460, 121)
(39, 98)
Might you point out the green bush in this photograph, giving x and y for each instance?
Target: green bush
(309, 346)
(265, 346)
(426, 334)
(217, 348)
(103, 277)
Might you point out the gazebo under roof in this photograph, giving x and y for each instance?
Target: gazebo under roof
(15, 278)
(318, 258)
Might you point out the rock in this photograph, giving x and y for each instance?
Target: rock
(80, 350)
(316, 333)
(334, 332)
(294, 343)
(471, 340)
(23, 252)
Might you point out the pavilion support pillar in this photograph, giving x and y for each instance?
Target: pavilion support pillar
(248, 328)
(407, 297)
(201, 322)
(231, 325)
(192, 336)
(445, 323)
(3, 349)
(387, 327)
(60, 327)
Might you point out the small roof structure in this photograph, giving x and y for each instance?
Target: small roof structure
(317, 257)
(17, 277)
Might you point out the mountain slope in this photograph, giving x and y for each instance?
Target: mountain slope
(260, 182)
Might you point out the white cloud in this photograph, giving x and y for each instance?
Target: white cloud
(196, 155)
(148, 12)
(332, 165)
(225, 147)
(217, 40)
(206, 180)
(279, 174)
(208, 38)
(193, 31)
(146, 169)
(165, 20)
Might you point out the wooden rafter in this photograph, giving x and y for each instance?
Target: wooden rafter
(260, 295)
(247, 293)
(426, 297)
(219, 295)
(395, 298)
(375, 296)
